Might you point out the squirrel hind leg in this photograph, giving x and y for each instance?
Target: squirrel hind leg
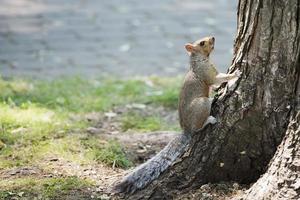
(199, 113)
(210, 120)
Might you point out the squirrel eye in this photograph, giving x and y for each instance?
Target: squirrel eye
(202, 43)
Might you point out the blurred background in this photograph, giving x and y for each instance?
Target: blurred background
(92, 38)
(89, 88)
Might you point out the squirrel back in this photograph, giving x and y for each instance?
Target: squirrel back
(194, 103)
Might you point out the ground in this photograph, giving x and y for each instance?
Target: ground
(69, 127)
(53, 143)
(55, 146)
(51, 38)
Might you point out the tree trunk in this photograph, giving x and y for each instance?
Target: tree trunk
(282, 179)
(254, 115)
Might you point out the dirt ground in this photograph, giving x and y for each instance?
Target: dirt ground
(138, 147)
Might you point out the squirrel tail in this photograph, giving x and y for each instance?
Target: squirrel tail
(150, 170)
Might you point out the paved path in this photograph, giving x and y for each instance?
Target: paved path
(50, 38)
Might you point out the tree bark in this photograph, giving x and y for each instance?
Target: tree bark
(253, 116)
(282, 179)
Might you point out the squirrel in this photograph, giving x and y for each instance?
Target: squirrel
(194, 114)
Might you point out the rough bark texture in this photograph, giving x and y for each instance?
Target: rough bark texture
(254, 115)
(282, 179)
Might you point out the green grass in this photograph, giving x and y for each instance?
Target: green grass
(109, 152)
(28, 130)
(42, 119)
(46, 188)
(54, 187)
(134, 121)
(36, 116)
(167, 91)
(79, 95)
(112, 154)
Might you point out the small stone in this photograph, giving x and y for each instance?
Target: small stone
(141, 150)
(236, 186)
(136, 105)
(114, 132)
(20, 194)
(205, 187)
(140, 106)
(243, 152)
(14, 172)
(93, 130)
(110, 114)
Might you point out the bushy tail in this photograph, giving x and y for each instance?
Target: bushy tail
(150, 170)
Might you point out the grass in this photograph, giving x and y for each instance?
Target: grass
(134, 121)
(35, 114)
(167, 91)
(28, 130)
(47, 188)
(78, 95)
(41, 119)
(109, 152)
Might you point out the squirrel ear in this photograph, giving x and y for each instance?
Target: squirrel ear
(189, 47)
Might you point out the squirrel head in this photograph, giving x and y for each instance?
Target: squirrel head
(203, 46)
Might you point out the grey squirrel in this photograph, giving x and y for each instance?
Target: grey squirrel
(194, 114)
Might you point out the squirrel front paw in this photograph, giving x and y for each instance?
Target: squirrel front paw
(237, 73)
